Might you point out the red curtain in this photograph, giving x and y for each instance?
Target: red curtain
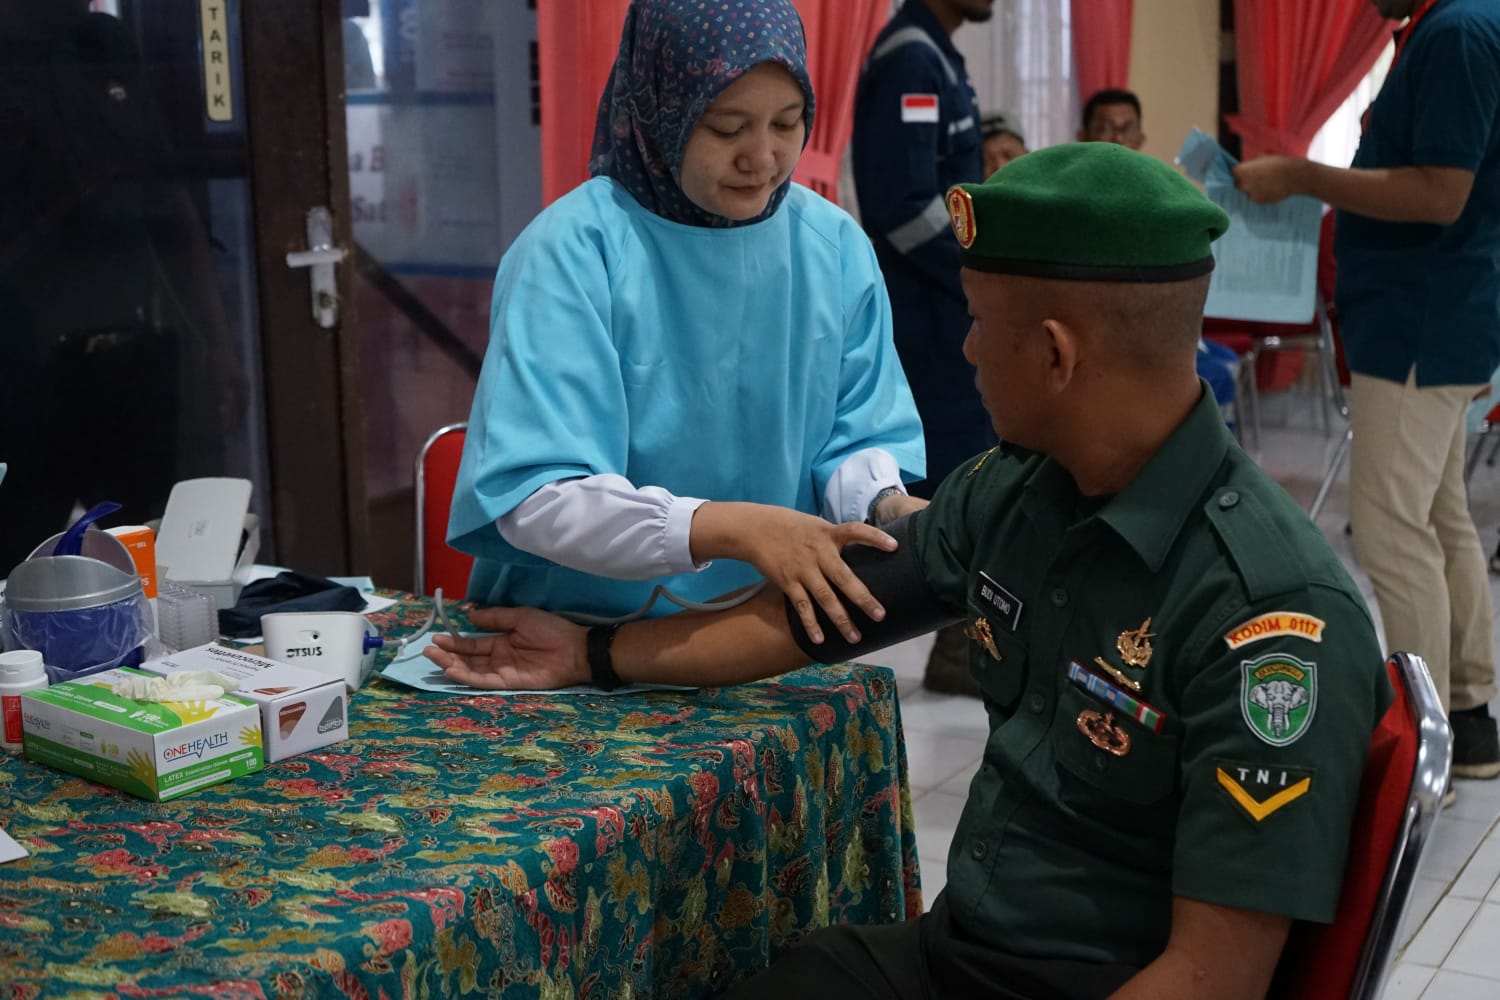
(1298, 61)
(576, 45)
(839, 36)
(1101, 44)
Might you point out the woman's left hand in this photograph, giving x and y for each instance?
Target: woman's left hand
(797, 552)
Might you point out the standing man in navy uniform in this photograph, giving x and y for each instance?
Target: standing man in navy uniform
(916, 134)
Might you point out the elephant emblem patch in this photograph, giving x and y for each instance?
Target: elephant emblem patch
(1279, 694)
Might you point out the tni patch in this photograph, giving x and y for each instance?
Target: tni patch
(1261, 789)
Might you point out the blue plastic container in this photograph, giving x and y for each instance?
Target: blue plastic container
(83, 613)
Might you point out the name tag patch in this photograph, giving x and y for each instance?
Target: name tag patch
(1261, 789)
(919, 108)
(1273, 624)
(1005, 605)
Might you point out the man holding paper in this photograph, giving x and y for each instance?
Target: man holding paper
(1418, 244)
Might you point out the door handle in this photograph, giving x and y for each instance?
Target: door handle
(319, 258)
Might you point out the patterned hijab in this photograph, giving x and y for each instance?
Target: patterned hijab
(675, 57)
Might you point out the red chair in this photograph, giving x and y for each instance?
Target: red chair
(1406, 773)
(437, 563)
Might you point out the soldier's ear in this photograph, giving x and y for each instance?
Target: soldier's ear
(1064, 351)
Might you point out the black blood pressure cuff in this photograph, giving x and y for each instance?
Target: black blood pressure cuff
(895, 578)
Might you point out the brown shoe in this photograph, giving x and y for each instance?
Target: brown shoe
(948, 665)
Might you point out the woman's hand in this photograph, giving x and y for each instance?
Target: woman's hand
(797, 552)
(534, 651)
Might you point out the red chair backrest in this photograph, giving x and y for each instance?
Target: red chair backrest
(438, 563)
(1321, 960)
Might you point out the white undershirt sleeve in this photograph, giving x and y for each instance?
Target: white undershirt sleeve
(856, 481)
(607, 526)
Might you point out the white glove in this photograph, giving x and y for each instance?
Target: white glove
(185, 685)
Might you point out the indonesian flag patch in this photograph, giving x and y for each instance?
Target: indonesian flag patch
(919, 108)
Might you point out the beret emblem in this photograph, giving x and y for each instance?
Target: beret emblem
(961, 210)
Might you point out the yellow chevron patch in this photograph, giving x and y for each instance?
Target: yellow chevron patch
(1259, 809)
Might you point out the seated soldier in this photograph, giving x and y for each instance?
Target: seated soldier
(1181, 679)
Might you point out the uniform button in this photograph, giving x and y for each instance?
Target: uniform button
(978, 851)
(1100, 762)
(1037, 702)
(1059, 597)
(1229, 499)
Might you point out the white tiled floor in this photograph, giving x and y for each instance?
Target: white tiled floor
(1450, 940)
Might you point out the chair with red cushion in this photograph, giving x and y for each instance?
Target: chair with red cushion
(437, 563)
(1406, 773)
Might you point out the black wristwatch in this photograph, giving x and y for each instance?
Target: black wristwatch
(601, 670)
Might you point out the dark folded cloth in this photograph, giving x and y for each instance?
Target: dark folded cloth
(287, 591)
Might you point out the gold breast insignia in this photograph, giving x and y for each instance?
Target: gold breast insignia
(1118, 675)
(1134, 645)
(1103, 733)
(979, 631)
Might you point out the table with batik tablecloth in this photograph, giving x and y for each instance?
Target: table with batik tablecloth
(656, 844)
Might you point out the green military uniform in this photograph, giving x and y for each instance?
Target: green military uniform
(1181, 679)
(1205, 586)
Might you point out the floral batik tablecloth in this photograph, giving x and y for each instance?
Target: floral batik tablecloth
(660, 844)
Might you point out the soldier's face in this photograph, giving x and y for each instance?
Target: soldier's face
(746, 144)
(1008, 352)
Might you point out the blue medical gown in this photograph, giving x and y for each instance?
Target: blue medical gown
(730, 364)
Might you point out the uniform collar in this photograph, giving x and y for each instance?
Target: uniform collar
(917, 13)
(1151, 510)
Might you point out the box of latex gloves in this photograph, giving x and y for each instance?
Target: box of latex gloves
(142, 734)
(299, 710)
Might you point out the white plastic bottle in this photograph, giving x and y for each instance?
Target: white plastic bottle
(20, 670)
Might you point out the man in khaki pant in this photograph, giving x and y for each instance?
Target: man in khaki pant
(1418, 245)
(1414, 536)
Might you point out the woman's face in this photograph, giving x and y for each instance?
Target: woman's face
(746, 144)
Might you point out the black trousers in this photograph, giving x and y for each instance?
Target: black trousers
(929, 958)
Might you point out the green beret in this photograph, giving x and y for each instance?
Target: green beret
(1086, 211)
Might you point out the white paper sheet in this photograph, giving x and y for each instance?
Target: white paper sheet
(415, 670)
(1266, 265)
(10, 850)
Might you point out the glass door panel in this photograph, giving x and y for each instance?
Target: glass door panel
(444, 171)
(129, 347)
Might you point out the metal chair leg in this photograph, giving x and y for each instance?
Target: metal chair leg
(1252, 393)
(1334, 465)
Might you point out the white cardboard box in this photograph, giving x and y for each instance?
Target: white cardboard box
(153, 750)
(300, 710)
